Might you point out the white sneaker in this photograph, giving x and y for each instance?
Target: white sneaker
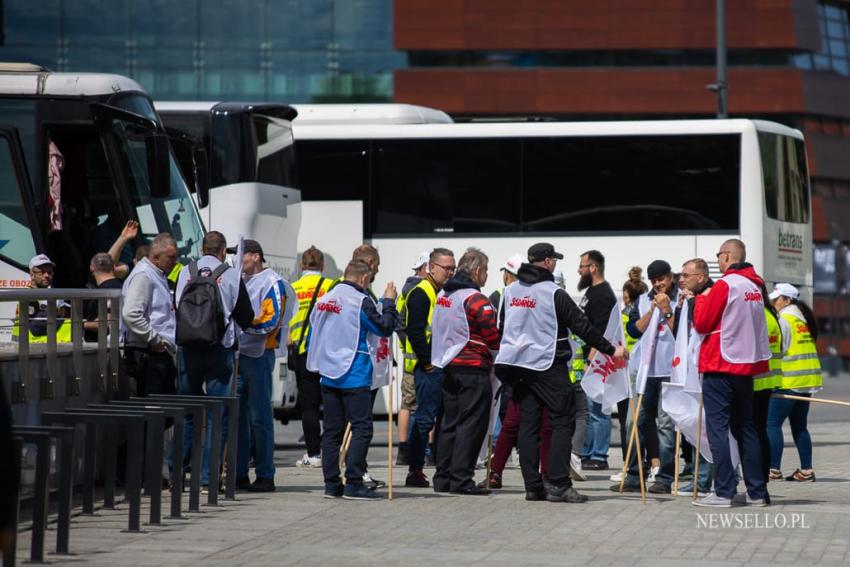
(514, 460)
(743, 499)
(309, 462)
(616, 477)
(713, 501)
(575, 468)
(652, 472)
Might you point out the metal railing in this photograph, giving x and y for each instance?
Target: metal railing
(108, 353)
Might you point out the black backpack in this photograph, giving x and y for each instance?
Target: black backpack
(200, 316)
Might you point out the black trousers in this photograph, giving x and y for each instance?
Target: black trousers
(310, 400)
(466, 414)
(343, 406)
(533, 391)
(152, 372)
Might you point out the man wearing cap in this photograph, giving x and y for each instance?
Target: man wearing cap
(534, 356)
(257, 344)
(208, 370)
(41, 277)
(509, 275)
(658, 438)
(408, 389)
(735, 347)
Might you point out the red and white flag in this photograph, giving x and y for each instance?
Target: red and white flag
(646, 348)
(606, 379)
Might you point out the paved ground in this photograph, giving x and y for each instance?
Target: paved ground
(296, 525)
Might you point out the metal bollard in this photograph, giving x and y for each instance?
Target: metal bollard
(197, 411)
(135, 425)
(65, 438)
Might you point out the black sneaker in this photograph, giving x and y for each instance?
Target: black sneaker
(659, 488)
(592, 465)
(472, 491)
(359, 492)
(538, 495)
(565, 494)
(417, 479)
(243, 483)
(371, 483)
(628, 486)
(334, 492)
(262, 485)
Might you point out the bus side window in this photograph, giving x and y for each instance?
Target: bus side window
(16, 242)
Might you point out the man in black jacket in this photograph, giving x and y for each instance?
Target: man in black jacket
(534, 357)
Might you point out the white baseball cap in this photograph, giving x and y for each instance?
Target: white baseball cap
(785, 289)
(513, 264)
(40, 260)
(424, 258)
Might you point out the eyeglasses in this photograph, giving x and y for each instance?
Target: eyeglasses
(449, 269)
(585, 266)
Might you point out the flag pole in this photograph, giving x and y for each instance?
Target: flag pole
(390, 439)
(634, 443)
(639, 453)
(630, 447)
(699, 443)
(343, 449)
(805, 399)
(676, 461)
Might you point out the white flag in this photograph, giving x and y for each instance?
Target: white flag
(494, 401)
(647, 350)
(606, 379)
(683, 408)
(679, 372)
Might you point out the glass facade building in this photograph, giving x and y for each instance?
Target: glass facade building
(271, 50)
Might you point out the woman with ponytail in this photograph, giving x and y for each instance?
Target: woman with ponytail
(801, 376)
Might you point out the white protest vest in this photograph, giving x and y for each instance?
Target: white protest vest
(380, 351)
(258, 286)
(743, 327)
(449, 327)
(531, 326)
(665, 342)
(161, 310)
(335, 333)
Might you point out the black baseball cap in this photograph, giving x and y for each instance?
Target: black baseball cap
(249, 246)
(657, 269)
(542, 250)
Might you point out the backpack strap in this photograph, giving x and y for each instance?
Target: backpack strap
(309, 310)
(193, 270)
(218, 271)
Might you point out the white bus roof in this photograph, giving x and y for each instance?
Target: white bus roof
(532, 129)
(185, 106)
(28, 79)
(339, 114)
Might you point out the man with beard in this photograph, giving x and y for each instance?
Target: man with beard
(597, 303)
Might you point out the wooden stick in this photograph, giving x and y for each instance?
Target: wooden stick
(343, 449)
(639, 453)
(699, 444)
(489, 459)
(390, 439)
(676, 461)
(634, 443)
(805, 399)
(625, 470)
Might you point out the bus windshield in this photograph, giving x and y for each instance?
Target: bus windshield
(274, 150)
(175, 213)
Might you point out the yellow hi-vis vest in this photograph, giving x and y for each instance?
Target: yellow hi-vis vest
(800, 364)
(63, 332)
(304, 288)
(577, 368)
(175, 273)
(630, 341)
(410, 356)
(773, 377)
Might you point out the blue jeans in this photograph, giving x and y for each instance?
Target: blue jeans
(797, 413)
(256, 422)
(341, 405)
(665, 431)
(598, 436)
(429, 398)
(704, 477)
(202, 372)
(728, 402)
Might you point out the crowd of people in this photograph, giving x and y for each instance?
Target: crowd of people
(215, 327)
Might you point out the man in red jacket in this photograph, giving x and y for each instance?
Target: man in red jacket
(735, 348)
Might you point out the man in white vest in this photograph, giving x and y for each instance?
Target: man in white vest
(341, 351)
(656, 428)
(735, 348)
(534, 357)
(148, 323)
(464, 337)
(209, 370)
(257, 344)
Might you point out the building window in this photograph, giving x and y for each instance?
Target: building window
(834, 53)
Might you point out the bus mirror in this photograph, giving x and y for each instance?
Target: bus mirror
(201, 171)
(159, 164)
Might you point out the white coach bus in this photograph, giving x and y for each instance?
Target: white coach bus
(636, 191)
(111, 160)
